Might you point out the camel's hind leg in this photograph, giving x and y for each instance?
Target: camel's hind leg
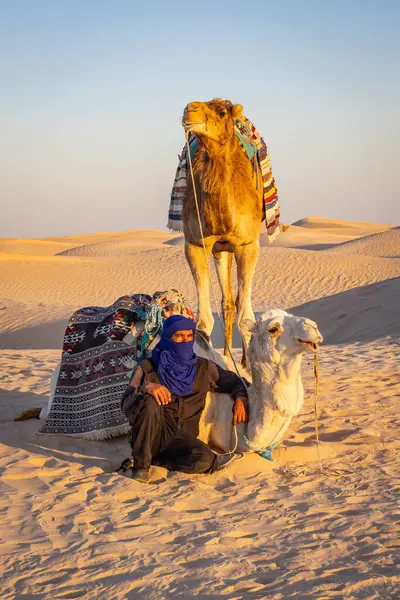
(223, 266)
(246, 259)
(199, 268)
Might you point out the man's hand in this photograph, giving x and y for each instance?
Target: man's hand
(240, 411)
(159, 392)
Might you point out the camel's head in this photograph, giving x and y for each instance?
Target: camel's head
(278, 335)
(214, 119)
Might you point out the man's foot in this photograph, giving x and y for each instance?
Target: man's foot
(225, 459)
(142, 475)
(125, 465)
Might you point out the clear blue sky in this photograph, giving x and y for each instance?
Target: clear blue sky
(92, 92)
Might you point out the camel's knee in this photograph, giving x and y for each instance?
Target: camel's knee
(245, 327)
(229, 313)
(206, 323)
(228, 306)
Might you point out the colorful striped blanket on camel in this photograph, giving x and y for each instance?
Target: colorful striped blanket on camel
(101, 347)
(251, 142)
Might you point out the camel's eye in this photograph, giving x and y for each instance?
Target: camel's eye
(273, 330)
(222, 113)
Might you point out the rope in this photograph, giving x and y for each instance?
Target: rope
(211, 283)
(332, 473)
(316, 386)
(234, 447)
(255, 165)
(263, 452)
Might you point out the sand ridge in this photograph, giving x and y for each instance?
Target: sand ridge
(360, 227)
(72, 528)
(385, 245)
(86, 244)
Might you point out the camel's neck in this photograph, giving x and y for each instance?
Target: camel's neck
(225, 183)
(285, 371)
(217, 150)
(275, 396)
(216, 162)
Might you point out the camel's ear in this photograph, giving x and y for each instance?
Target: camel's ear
(247, 326)
(237, 110)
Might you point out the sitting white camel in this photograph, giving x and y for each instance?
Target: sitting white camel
(276, 395)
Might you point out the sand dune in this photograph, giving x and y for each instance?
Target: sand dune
(92, 244)
(49, 246)
(365, 313)
(320, 233)
(31, 247)
(72, 528)
(54, 286)
(324, 223)
(385, 245)
(124, 244)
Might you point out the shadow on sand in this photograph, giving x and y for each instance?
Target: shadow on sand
(107, 454)
(362, 314)
(45, 336)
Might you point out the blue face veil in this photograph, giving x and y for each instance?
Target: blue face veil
(175, 361)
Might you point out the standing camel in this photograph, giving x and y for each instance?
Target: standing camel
(231, 208)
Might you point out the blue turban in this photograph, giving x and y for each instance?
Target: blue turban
(175, 361)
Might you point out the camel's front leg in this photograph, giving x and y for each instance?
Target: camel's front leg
(246, 259)
(198, 265)
(223, 266)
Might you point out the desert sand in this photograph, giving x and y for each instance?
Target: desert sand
(72, 528)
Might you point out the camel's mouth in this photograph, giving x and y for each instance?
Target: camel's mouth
(189, 124)
(313, 346)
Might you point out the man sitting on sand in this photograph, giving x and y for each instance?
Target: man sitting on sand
(165, 399)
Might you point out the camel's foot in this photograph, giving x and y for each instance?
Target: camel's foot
(31, 413)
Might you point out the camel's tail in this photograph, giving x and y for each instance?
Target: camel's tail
(31, 413)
